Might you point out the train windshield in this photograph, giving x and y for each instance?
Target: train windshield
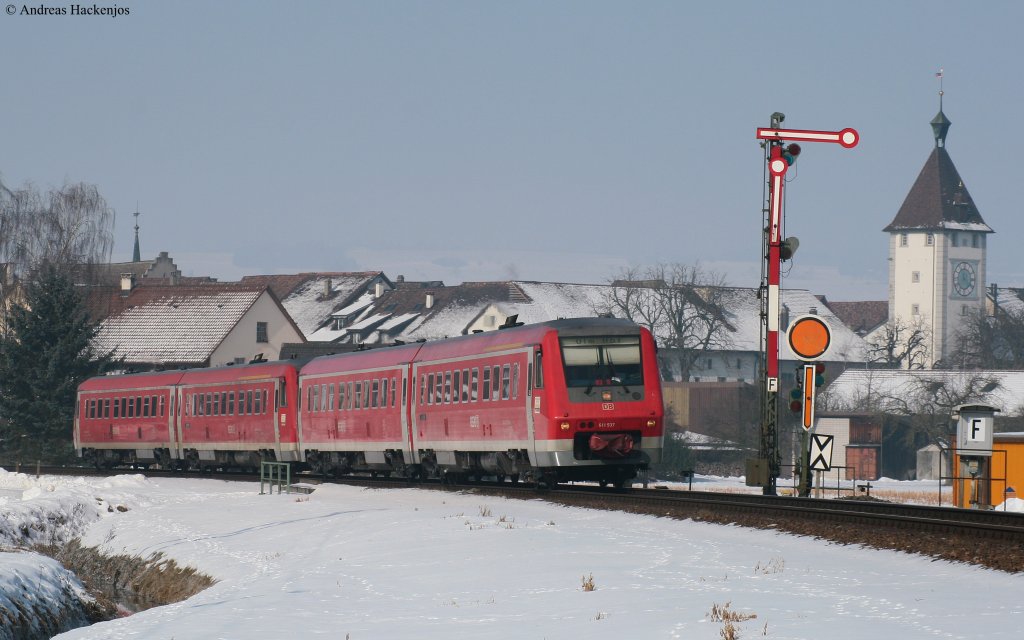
(602, 361)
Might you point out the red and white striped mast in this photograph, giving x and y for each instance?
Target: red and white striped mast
(783, 147)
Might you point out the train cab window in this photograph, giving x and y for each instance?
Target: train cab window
(495, 376)
(487, 384)
(456, 384)
(602, 361)
(538, 370)
(504, 382)
(515, 380)
(474, 385)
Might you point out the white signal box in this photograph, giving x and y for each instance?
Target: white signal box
(974, 429)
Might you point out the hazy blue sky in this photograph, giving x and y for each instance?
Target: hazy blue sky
(548, 140)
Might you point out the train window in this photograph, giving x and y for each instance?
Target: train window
(427, 391)
(465, 385)
(325, 398)
(152, 407)
(117, 407)
(248, 403)
(487, 384)
(504, 382)
(366, 394)
(209, 403)
(257, 405)
(375, 398)
(447, 387)
(131, 408)
(495, 376)
(456, 384)
(223, 403)
(330, 397)
(529, 379)
(515, 380)
(474, 385)
(309, 398)
(162, 403)
(357, 401)
(341, 396)
(106, 407)
(215, 409)
(266, 405)
(384, 392)
(145, 406)
(90, 410)
(231, 403)
(438, 388)
(394, 391)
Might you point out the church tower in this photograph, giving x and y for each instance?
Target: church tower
(937, 250)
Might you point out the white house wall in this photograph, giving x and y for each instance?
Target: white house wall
(241, 341)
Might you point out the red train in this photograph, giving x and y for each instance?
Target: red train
(576, 399)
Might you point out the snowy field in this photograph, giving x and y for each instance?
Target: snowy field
(360, 564)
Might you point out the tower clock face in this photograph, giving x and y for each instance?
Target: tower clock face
(963, 278)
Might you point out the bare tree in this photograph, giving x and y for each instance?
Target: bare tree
(69, 227)
(991, 342)
(901, 345)
(684, 306)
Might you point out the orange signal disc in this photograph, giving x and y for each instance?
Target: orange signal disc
(809, 337)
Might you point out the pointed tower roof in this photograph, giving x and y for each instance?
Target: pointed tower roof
(938, 199)
(136, 254)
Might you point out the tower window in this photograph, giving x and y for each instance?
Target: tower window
(930, 240)
(915, 309)
(903, 239)
(963, 310)
(915, 276)
(974, 240)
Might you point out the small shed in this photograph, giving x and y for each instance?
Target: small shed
(933, 461)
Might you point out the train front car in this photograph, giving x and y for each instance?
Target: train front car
(127, 419)
(598, 411)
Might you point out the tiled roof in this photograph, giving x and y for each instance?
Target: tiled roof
(303, 294)
(174, 325)
(899, 390)
(861, 317)
(938, 200)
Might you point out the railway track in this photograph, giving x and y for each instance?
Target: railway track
(993, 539)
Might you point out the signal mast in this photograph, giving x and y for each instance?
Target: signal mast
(782, 147)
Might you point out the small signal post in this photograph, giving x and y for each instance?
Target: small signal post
(782, 147)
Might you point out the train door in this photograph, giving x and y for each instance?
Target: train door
(178, 418)
(172, 435)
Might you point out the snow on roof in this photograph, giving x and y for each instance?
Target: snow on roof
(310, 308)
(176, 325)
(901, 390)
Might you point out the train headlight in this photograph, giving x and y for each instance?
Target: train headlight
(652, 423)
(565, 425)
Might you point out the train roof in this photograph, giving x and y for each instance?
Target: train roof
(368, 359)
(132, 380)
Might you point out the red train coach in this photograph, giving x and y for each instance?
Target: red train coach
(562, 400)
(224, 416)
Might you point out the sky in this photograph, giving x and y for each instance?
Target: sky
(346, 562)
(557, 141)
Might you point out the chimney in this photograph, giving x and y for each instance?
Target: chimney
(127, 283)
(378, 290)
(399, 278)
(328, 285)
(430, 299)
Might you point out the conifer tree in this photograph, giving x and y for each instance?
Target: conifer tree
(44, 355)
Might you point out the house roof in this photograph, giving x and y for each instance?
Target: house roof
(311, 298)
(861, 317)
(174, 325)
(938, 200)
(899, 390)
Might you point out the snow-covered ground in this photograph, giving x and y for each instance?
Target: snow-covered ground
(351, 563)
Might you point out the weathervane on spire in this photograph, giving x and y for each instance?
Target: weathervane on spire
(940, 123)
(136, 254)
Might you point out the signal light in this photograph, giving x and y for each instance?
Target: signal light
(790, 153)
(795, 400)
(819, 374)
